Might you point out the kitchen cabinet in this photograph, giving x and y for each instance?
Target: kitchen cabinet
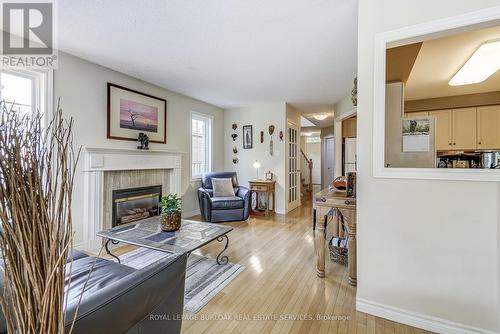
(464, 133)
(349, 127)
(488, 127)
(443, 129)
(417, 114)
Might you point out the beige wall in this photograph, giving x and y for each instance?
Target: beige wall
(260, 117)
(427, 249)
(82, 88)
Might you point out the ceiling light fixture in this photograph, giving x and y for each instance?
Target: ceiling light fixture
(307, 134)
(483, 63)
(320, 117)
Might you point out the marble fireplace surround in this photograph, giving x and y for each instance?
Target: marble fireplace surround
(98, 161)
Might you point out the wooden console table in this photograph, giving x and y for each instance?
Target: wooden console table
(324, 202)
(266, 188)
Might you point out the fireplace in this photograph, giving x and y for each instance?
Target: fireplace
(133, 204)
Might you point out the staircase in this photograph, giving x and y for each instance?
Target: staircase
(306, 165)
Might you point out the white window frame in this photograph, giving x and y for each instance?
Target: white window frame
(42, 89)
(407, 35)
(210, 120)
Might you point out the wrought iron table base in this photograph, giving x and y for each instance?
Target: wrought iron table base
(223, 259)
(106, 246)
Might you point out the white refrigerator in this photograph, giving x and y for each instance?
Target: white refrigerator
(349, 155)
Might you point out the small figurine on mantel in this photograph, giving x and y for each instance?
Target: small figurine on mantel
(144, 140)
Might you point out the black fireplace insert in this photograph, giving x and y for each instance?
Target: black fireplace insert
(133, 204)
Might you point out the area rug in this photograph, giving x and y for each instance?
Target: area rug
(204, 277)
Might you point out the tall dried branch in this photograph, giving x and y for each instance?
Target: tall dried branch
(37, 168)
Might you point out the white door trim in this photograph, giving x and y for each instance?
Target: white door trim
(416, 33)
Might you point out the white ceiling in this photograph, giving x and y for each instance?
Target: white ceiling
(439, 60)
(228, 53)
(308, 110)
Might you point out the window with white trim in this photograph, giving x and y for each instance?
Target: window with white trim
(17, 91)
(201, 144)
(26, 91)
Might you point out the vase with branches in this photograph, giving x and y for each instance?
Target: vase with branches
(37, 168)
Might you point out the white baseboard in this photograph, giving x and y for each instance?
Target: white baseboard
(418, 320)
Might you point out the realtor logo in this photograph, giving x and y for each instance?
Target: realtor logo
(28, 34)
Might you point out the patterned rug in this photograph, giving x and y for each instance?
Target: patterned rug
(204, 277)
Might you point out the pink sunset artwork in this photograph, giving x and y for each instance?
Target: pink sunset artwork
(138, 116)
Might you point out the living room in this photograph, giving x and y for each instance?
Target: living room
(220, 168)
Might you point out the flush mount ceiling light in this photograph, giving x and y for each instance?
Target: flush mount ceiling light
(320, 117)
(483, 63)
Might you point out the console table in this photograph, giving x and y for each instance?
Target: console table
(323, 203)
(263, 188)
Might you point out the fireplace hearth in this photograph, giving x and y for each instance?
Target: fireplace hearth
(133, 204)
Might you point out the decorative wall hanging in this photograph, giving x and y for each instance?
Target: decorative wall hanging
(247, 137)
(235, 160)
(354, 93)
(234, 136)
(131, 112)
(235, 150)
(271, 129)
(281, 135)
(271, 144)
(234, 126)
(261, 137)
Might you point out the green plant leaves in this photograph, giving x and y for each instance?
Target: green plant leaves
(170, 204)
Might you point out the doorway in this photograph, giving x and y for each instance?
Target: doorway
(293, 177)
(329, 160)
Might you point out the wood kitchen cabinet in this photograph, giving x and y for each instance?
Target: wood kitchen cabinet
(464, 133)
(443, 129)
(417, 114)
(349, 127)
(488, 127)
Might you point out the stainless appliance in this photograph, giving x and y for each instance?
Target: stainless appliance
(490, 159)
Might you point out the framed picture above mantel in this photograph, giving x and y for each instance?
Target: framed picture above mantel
(131, 112)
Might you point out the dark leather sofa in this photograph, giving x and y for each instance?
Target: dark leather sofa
(223, 209)
(121, 299)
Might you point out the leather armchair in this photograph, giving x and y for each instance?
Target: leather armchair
(223, 209)
(121, 299)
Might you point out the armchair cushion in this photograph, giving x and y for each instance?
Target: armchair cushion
(206, 179)
(227, 202)
(222, 187)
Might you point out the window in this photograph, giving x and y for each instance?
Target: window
(201, 144)
(17, 91)
(313, 140)
(26, 90)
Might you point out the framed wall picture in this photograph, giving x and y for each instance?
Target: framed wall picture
(131, 112)
(247, 137)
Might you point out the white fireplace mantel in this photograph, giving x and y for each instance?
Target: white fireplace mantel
(99, 160)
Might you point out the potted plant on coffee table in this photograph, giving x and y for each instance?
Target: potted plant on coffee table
(170, 209)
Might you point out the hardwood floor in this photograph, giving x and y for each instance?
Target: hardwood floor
(280, 283)
(279, 291)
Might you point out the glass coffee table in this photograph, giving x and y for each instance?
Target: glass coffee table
(147, 233)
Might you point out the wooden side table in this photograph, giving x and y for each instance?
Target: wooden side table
(263, 188)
